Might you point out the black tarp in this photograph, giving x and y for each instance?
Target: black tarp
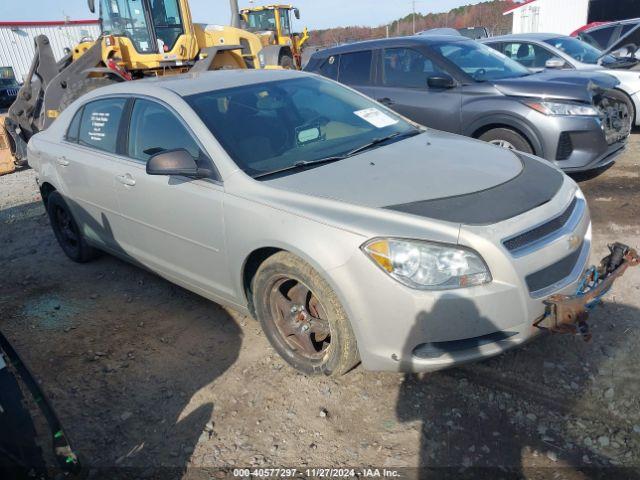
(612, 10)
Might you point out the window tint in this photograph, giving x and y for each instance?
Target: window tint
(355, 68)
(100, 123)
(74, 127)
(330, 67)
(154, 128)
(404, 67)
(527, 54)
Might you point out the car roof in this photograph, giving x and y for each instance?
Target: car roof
(524, 36)
(613, 24)
(423, 39)
(194, 83)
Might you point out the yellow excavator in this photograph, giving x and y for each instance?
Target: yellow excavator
(140, 38)
(272, 23)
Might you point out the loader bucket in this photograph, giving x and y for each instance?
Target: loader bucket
(7, 164)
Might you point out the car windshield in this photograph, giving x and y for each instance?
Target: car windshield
(479, 61)
(579, 50)
(272, 126)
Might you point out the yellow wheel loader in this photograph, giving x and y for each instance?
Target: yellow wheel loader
(272, 23)
(140, 38)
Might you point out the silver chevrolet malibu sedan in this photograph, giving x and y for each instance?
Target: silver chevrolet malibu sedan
(350, 233)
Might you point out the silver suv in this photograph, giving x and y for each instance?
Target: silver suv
(577, 120)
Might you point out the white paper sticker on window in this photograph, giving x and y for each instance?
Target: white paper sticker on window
(376, 118)
(98, 122)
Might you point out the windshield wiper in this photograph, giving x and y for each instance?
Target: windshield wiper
(301, 165)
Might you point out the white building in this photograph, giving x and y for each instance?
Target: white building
(17, 40)
(550, 16)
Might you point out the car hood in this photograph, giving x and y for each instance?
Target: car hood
(565, 85)
(428, 166)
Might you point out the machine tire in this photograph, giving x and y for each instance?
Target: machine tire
(68, 235)
(82, 87)
(336, 351)
(286, 61)
(507, 138)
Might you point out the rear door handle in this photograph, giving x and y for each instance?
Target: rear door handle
(63, 162)
(386, 101)
(126, 179)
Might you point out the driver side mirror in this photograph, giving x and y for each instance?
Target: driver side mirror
(175, 162)
(92, 6)
(441, 81)
(296, 12)
(555, 63)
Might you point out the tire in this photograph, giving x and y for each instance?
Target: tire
(286, 61)
(507, 138)
(328, 329)
(82, 87)
(67, 232)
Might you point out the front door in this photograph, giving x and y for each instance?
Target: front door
(403, 87)
(175, 225)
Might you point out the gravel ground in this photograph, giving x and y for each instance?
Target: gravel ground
(145, 374)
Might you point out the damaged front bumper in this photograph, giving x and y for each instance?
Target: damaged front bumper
(569, 313)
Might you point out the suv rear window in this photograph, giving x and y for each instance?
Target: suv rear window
(355, 68)
(100, 124)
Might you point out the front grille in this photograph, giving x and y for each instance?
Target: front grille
(11, 92)
(565, 146)
(615, 114)
(553, 274)
(532, 236)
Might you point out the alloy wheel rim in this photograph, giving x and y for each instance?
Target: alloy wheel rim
(299, 318)
(503, 144)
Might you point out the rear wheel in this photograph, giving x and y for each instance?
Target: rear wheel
(302, 317)
(78, 89)
(506, 138)
(66, 230)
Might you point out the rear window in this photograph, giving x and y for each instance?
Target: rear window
(100, 124)
(329, 68)
(355, 68)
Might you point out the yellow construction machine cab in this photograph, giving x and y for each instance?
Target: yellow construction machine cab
(272, 23)
(140, 38)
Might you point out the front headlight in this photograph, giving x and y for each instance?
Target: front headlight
(428, 266)
(562, 108)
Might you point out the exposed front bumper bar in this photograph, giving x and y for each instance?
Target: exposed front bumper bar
(569, 314)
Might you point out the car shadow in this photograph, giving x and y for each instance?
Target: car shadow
(469, 427)
(128, 360)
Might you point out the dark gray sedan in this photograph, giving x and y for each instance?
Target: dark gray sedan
(576, 120)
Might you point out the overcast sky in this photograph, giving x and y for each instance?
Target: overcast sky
(315, 13)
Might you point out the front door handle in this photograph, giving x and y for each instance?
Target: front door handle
(63, 162)
(126, 179)
(386, 101)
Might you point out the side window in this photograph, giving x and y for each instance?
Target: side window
(74, 127)
(355, 68)
(528, 54)
(404, 67)
(602, 36)
(329, 68)
(154, 129)
(100, 123)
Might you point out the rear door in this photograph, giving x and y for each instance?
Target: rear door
(87, 166)
(174, 224)
(356, 69)
(403, 87)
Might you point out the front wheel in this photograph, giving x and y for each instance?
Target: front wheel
(286, 61)
(506, 138)
(302, 317)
